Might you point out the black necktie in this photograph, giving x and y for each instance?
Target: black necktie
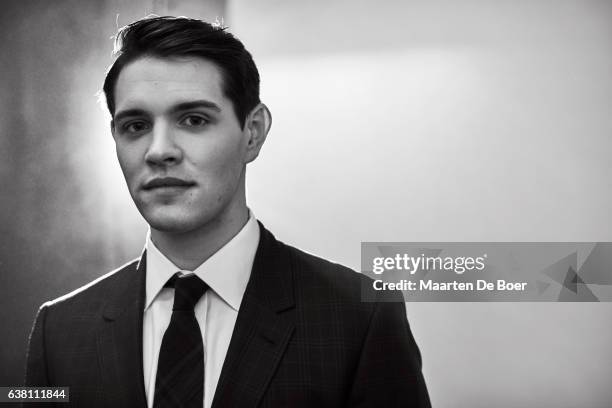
(180, 368)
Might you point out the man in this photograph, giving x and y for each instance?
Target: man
(216, 312)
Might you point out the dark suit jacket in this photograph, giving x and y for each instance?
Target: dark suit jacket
(303, 338)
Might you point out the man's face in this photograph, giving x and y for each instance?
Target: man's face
(179, 143)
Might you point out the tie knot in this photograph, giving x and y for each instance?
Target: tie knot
(188, 289)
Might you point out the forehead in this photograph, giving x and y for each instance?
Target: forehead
(156, 83)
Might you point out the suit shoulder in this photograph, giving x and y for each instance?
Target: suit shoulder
(314, 264)
(338, 281)
(100, 285)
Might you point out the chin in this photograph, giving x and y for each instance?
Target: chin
(170, 225)
(170, 221)
(176, 222)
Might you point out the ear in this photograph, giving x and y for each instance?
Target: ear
(256, 126)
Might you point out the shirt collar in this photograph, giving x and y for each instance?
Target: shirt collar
(226, 272)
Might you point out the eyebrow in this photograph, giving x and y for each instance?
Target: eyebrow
(194, 105)
(183, 106)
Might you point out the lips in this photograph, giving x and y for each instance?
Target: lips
(167, 182)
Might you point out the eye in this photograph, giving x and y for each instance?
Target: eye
(192, 120)
(135, 126)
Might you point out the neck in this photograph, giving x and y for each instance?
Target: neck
(188, 250)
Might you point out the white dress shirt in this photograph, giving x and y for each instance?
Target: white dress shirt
(226, 273)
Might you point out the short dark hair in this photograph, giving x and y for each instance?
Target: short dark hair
(167, 37)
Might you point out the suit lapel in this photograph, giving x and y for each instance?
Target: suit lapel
(264, 325)
(120, 339)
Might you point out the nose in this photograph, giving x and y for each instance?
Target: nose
(163, 149)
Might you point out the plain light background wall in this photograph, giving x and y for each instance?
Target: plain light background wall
(395, 120)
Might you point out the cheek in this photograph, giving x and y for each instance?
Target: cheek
(127, 161)
(223, 161)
